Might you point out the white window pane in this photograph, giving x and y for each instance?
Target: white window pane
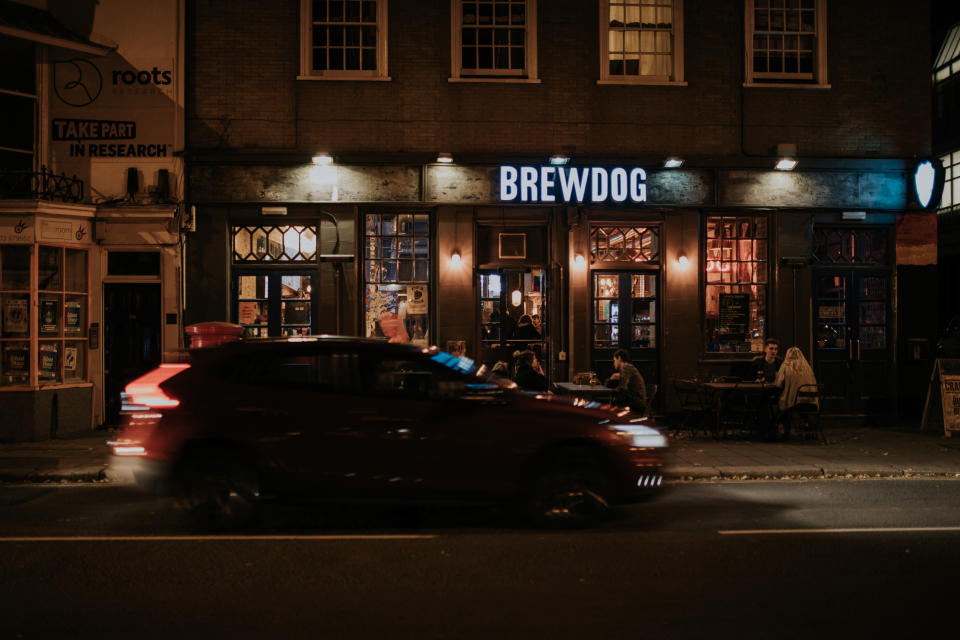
(616, 16)
(631, 41)
(648, 16)
(646, 41)
(616, 41)
(663, 42)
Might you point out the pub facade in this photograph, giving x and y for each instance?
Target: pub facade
(601, 174)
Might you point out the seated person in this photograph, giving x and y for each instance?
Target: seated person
(765, 367)
(501, 369)
(795, 372)
(628, 383)
(526, 330)
(529, 375)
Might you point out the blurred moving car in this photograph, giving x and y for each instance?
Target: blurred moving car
(347, 419)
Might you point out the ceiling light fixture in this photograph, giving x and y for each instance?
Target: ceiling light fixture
(445, 158)
(673, 162)
(323, 158)
(558, 159)
(786, 164)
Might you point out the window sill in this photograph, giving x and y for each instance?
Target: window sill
(642, 83)
(496, 80)
(785, 85)
(347, 78)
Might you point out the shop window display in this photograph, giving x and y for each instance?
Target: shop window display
(736, 275)
(396, 270)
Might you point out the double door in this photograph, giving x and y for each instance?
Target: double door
(275, 302)
(852, 341)
(626, 316)
(513, 314)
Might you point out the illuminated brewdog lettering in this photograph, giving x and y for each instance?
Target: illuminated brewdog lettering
(598, 184)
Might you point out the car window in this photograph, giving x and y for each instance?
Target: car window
(401, 377)
(289, 371)
(338, 371)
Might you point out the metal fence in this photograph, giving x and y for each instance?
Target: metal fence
(42, 185)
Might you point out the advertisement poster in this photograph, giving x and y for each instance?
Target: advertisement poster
(72, 316)
(16, 367)
(416, 299)
(15, 315)
(950, 394)
(70, 359)
(48, 362)
(247, 313)
(48, 316)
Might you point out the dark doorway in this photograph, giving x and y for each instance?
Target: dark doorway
(131, 338)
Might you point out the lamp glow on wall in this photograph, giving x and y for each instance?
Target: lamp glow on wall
(516, 298)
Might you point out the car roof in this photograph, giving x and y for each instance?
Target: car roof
(266, 345)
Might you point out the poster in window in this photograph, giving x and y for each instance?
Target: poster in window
(71, 316)
(70, 359)
(734, 313)
(416, 299)
(48, 362)
(16, 366)
(247, 312)
(15, 315)
(48, 316)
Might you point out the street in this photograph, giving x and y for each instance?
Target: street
(753, 559)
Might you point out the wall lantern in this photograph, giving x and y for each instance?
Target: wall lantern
(786, 164)
(559, 160)
(516, 298)
(445, 158)
(682, 259)
(673, 162)
(579, 261)
(455, 258)
(322, 158)
(928, 183)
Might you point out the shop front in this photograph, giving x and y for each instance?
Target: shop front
(689, 270)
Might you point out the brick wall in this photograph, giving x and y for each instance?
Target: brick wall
(243, 94)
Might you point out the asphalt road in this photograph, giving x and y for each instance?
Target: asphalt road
(727, 560)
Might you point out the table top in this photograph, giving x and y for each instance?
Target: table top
(746, 385)
(583, 388)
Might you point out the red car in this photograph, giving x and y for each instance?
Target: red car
(348, 419)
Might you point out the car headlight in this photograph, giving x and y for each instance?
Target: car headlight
(640, 435)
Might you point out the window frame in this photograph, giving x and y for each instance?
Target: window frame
(767, 283)
(307, 72)
(529, 72)
(788, 80)
(676, 78)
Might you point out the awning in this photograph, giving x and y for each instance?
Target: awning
(28, 23)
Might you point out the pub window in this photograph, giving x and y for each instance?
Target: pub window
(396, 272)
(18, 103)
(736, 275)
(641, 41)
(625, 244)
(493, 39)
(272, 244)
(786, 42)
(343, 39)
(950, 200)
(59, 352)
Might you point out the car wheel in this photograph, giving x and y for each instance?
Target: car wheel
(219, 491)
(571, 489)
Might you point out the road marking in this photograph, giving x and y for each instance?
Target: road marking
(748, 532)
(384, 536)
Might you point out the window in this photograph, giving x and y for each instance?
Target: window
(625, 244)
(60, 350)
(950, 200)
(396, 272)
(494, 39)
(18, 101)
(274, 244)
(786, 42)
(343, 39)
(863, 246)
(736, 273)
(641, 41)
(946, 91)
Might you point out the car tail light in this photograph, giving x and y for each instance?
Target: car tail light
(127, 447)
(145, 393)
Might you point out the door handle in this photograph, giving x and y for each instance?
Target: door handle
(858, 350)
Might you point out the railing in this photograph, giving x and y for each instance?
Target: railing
(43, 185)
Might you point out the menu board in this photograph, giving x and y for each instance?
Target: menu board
(734, 315)
(15, 315)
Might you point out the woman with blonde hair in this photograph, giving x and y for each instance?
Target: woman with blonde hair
(794, 374)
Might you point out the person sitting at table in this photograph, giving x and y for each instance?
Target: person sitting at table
(794, 373)
(501, 369)
(628, 383)
(526, 330)
(529, 375)
(767, 365)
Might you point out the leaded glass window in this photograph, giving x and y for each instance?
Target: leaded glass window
(625, 244)
(267, 244)
(864, 246)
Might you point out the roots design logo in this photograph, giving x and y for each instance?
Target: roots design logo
(77, 82)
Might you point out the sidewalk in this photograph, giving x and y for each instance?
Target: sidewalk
(849, 452)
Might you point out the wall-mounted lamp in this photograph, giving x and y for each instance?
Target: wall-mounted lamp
(785, 164)
(682, 259)
(516, 298)
(673, 162)
(323, 158)
(455, 258)
(579, 261)
(558, 159)
(445, 158)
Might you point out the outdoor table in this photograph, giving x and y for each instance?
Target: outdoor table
(598, 392)
(761, 396)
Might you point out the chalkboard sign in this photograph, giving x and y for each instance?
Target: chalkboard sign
(945, 387)
(734, 313)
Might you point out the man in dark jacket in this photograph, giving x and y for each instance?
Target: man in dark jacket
(628, 383)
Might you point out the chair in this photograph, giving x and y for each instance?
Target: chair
(693, 404)
(738, 411)
(651, 395)
(805, 415)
